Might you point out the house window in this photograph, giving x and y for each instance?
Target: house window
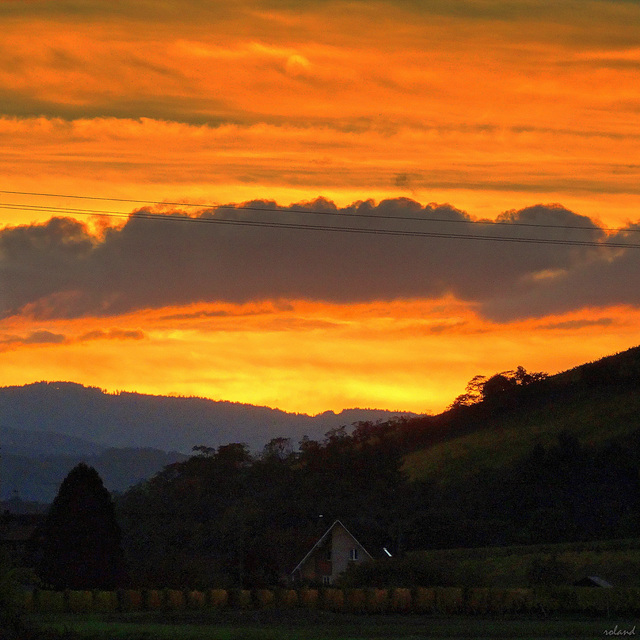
(327, 556)
(326, 580)
(353, 554)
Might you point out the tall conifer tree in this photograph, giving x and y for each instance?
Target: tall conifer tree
(82, 540)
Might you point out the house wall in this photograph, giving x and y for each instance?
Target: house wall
(332, 557)
(318, 564)
(342, 543)
(309, 570)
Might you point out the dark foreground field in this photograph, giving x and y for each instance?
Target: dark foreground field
(320, 626)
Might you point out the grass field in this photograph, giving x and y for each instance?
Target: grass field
(506, 567)
(292, 625)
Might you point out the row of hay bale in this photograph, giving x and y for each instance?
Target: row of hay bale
(439, 600)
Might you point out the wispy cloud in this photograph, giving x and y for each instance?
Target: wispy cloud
(35, 338)
(44, 337)
(112, 334)
(238, 100)
(579, 324)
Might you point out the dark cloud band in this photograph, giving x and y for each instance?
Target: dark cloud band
(59, 269)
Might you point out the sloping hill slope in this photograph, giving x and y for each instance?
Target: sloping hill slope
(596, 403)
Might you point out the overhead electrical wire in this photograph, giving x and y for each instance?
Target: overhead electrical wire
(218, 205)
(176, 217)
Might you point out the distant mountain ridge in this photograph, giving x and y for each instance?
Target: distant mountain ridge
(168, 423)
(28, 443)
(48, 427)
(38, 478)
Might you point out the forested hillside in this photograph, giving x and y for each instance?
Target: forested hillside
(519, 459)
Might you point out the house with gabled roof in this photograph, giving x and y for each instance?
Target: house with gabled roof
(330, 556)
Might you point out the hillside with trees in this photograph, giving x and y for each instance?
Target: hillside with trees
(595, 403)
(521, 458)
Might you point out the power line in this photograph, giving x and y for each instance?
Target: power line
(330, 228)
(231, 207)
(325, 228)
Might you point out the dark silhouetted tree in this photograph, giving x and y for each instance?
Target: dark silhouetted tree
(496, 385)
(472, 394)
(81, 542)
(481, 388)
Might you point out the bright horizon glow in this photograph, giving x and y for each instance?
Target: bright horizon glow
(309, 358)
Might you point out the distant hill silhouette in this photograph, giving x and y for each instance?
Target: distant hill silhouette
(169, 423)
(30, 443)
(46, 428)
(37, 478)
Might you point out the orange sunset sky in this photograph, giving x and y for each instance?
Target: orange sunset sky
(404, 121)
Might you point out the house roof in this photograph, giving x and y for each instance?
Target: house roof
(592, 581)
(322, 539)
